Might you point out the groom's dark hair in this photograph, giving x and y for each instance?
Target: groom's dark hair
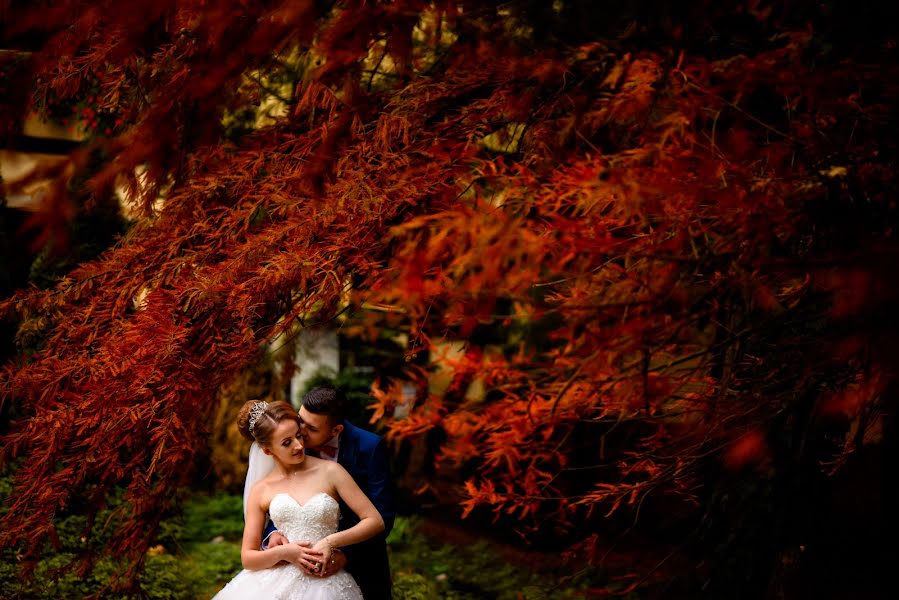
(326, 400)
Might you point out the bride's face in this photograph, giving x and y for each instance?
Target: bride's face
(286, 443)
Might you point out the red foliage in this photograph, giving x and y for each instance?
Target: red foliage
(748, 449)
(649, 224)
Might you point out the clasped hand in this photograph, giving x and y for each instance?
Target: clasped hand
(316, 560)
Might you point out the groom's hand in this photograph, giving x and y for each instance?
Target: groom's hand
(337, 562)
(276, 539)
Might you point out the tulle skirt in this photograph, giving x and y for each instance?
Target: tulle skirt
(289, 582)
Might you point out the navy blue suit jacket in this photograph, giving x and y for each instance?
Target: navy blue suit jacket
(364, 455)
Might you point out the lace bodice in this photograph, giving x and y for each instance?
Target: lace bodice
(311, 521)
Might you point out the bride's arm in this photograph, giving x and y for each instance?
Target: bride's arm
(370, 522)
(250, 554)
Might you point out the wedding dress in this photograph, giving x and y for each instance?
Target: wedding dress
(311, 521)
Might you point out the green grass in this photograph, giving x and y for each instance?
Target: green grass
(428, 569)
(207, 539)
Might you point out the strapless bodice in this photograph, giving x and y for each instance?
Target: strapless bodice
(311, 521)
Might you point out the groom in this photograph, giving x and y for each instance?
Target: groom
(328, 435)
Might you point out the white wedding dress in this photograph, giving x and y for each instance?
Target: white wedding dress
(311, 521)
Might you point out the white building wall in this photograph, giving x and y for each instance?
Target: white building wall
(316, 349)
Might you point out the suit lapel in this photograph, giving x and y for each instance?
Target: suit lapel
(348, 448)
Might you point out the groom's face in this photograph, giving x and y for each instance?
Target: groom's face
(317, 430)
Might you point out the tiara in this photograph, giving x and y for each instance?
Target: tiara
(256, 412)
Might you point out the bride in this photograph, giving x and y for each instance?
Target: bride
(301, 495)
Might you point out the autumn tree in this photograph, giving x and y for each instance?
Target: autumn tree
(660, 230)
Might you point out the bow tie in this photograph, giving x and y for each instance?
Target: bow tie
(327, 452)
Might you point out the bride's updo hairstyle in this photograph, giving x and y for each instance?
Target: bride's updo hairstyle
(267, 416)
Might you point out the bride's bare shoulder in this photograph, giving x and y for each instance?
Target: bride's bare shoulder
(334, 469)
(263, 490)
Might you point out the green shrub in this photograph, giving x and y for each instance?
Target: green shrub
(207, 517)
(164, 577)
(184, 565)
(413, 586)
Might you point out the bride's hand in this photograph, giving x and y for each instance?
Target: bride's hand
(308, 559)
(326, 550)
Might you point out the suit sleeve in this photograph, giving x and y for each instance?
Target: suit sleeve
(269, 530)
(380, 483)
